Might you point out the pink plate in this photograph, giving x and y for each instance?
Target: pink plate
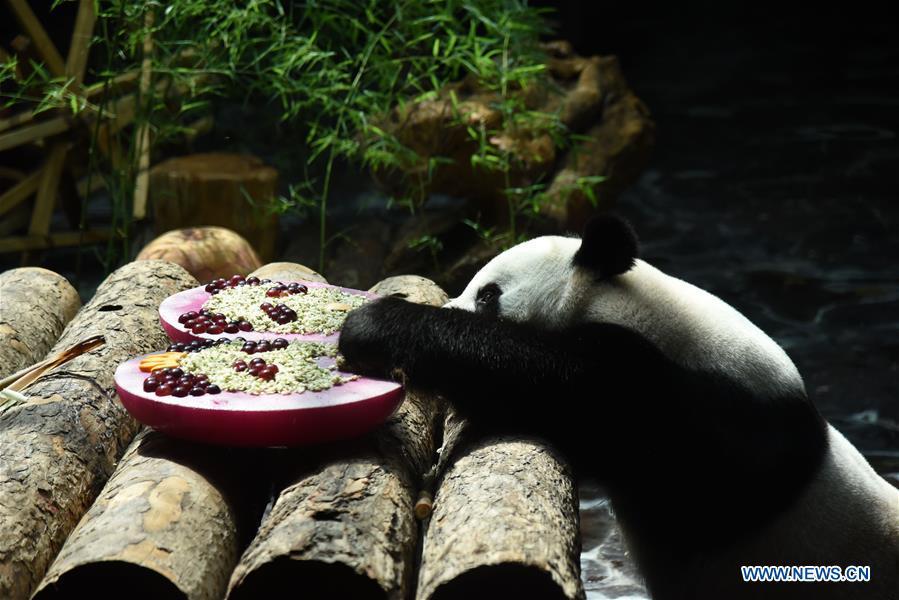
(177, 304)
(236, 419)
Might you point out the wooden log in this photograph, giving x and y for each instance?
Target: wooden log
(504, 521)
(286, 271)
(206, 252)
(171, 517)
(228, 190)
(35, 306)
(344, 527)
(60, 447)
(165, 522)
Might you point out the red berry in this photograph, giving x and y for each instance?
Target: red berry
(180, 391)
(213, 389)
(273, 293)
(211, 289)
(164, 390)
(215, 329)
(266, 306)
(266, 375)
(232, 328)
(198, 329)
(263, 346)
(245, 326)
(279, 343)
(150, 384)
(257, 361)
(254, 371)
(197, 391)
(252, 280)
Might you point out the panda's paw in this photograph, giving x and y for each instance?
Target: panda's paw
(369, 337)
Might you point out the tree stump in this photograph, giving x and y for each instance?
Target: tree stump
(229, 190)
(344, 526)
(59, 448)
(35, 306)
(173, 514)
(504, 522)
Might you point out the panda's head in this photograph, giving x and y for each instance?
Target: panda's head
(541, 280)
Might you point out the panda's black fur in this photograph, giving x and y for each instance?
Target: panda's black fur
(694, 461)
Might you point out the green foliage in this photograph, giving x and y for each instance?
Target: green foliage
(334, 67)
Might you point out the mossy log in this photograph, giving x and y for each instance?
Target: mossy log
(59, 448)
(504, 522)
(344, 527)
(171, 518)
(35, 306)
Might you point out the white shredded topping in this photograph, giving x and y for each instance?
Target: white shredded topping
(320, 310)
(297, 369)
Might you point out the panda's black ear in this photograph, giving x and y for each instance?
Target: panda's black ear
(608, 246)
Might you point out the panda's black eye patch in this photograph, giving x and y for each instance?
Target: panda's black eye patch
(487, 298)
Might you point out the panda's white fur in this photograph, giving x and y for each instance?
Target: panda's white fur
(846, 514)
(694, 328)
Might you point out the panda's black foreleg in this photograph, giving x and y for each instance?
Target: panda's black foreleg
(496, 370)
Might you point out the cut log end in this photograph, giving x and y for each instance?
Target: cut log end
(312, 579)
(504, 580)
(118, 579)
(35, 306)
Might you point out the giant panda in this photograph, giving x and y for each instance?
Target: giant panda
(703, 435)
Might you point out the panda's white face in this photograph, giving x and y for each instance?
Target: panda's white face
(528, 282)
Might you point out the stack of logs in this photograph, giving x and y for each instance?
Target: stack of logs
(93, 506)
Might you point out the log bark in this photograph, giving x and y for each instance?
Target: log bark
(172, 517)
(207, 253)
(59, 448)
(35, 306)
(344, 525)
(504, 521)
(228, 190)
(163, 523)
(287, 271)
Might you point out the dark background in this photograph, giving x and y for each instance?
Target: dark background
(775, 179)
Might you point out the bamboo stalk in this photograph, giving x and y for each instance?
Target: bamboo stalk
(19, 192)
(53, 240)
(32, 133)
(32, 26)
(79, 48)
(47, 190)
